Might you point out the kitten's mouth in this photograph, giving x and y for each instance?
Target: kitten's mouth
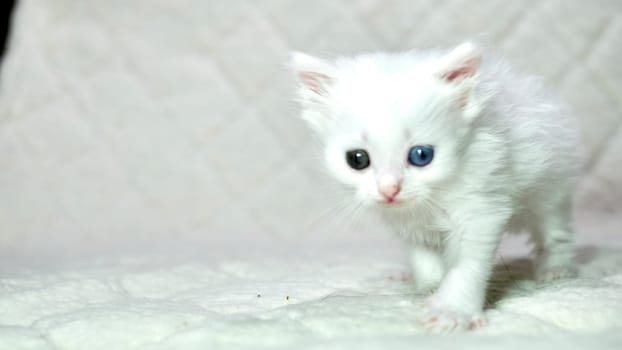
(390, 202)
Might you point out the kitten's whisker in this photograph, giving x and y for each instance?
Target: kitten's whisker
(332, 212)
(344, 213)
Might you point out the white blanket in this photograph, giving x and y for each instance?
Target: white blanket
(351, 296)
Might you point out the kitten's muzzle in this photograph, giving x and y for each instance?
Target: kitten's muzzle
(389, 187)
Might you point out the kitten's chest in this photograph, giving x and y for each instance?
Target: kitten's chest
(418, 226)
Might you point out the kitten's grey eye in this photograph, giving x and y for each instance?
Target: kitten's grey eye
(421, 155)
(357, 159)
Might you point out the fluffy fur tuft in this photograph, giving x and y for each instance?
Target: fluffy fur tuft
(505, 159)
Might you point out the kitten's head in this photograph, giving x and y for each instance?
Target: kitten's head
(392, 125)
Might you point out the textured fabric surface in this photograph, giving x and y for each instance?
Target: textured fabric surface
(362, 300)
(149, 119)
(128, 125)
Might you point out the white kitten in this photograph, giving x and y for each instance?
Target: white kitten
(454, 150)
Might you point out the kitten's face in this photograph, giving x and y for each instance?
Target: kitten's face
(395, 149)
(392, 129)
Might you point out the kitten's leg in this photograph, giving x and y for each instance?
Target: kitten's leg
(458, 302)
(427, 268)
(554, 241)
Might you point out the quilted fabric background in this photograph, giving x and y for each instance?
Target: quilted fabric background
(138, 121)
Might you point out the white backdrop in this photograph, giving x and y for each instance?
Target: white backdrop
(141, 121)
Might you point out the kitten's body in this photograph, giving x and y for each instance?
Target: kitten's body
(505, 161)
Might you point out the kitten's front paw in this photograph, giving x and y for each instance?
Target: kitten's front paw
(436, 319)
(549, 273)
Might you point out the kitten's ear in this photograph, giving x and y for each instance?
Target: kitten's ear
(461, 63)
(460, 69)
(313, 75)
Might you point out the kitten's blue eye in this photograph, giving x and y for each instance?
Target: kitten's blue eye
(421, 155)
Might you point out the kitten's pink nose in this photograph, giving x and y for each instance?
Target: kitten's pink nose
(389, 186)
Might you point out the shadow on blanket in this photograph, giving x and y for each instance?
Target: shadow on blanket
(515, 277)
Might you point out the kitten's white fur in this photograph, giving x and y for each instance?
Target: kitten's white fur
(505, 160)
